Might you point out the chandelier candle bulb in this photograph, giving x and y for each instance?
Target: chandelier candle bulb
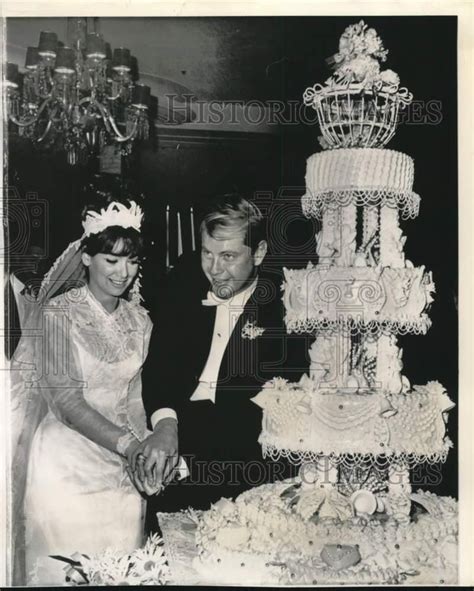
(65, 61)
(13, 75)
(141, 96)
(32, 58)
(121, 60)
(48, 44)
(95, 46)
(109, 73)
(108, 51)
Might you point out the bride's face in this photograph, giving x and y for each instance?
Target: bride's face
(110, 274)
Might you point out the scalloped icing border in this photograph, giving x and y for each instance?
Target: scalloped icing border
(352, 460)
(313, 204)
(373, 328)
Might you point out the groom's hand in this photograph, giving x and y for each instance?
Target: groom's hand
(157, 456)
(143, 486)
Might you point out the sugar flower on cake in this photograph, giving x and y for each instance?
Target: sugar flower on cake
(306, 383)
(358, 63)
(361, 69)
(390, 78)
(225, 507)
(276, 384)
(432, 388)
(358, 39)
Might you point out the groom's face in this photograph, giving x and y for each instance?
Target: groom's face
(228, 263)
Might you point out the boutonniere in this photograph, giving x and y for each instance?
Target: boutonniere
(251, 331)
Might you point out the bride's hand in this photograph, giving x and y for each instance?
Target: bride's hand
(140, 485)
(160, 450)
(130, 449)
(143, 487)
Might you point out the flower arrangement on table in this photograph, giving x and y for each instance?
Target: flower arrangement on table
(144, 566)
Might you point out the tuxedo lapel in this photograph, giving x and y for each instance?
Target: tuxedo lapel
(12, 321)
(239, 363)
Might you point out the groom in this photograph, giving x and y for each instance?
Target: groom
(209, 356)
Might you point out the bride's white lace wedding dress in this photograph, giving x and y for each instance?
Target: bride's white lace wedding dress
(78, 495)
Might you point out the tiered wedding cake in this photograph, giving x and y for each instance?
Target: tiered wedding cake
(355, 425)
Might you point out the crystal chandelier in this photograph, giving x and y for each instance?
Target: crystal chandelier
(78, 98)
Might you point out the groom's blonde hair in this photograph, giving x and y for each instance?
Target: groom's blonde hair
(238, 214)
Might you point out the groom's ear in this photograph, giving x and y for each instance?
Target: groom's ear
(260, 252)
(86, 259)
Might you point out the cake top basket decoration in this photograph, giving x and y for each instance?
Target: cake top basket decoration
(359, 105)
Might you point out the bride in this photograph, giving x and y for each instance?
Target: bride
(80, 417)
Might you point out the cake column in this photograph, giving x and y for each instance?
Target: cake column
(368, 367)
(370, 234)
(399, 491)
(321, 472)
(327, 237)
(323, 366)
(346, 249)
(391, 239)
(346, 237)
(389, 365)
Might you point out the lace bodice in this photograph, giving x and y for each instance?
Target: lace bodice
(91, 365)
(109, 337)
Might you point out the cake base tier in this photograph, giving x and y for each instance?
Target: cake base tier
(257, 540)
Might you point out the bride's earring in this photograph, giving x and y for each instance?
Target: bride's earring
(135, 292)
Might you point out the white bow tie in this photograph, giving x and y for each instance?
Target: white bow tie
(238, 299)
(213, 300)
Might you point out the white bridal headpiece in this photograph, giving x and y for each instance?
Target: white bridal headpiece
(116, 214)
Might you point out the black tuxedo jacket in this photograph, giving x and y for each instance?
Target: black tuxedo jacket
(218, 440)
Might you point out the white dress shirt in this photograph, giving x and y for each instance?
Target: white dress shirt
(227, 315)
(17, 286)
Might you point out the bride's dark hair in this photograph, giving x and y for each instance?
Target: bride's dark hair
(114, 240)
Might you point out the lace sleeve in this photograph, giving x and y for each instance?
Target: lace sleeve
(148, 329)
(136, 411)
(62, 386)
